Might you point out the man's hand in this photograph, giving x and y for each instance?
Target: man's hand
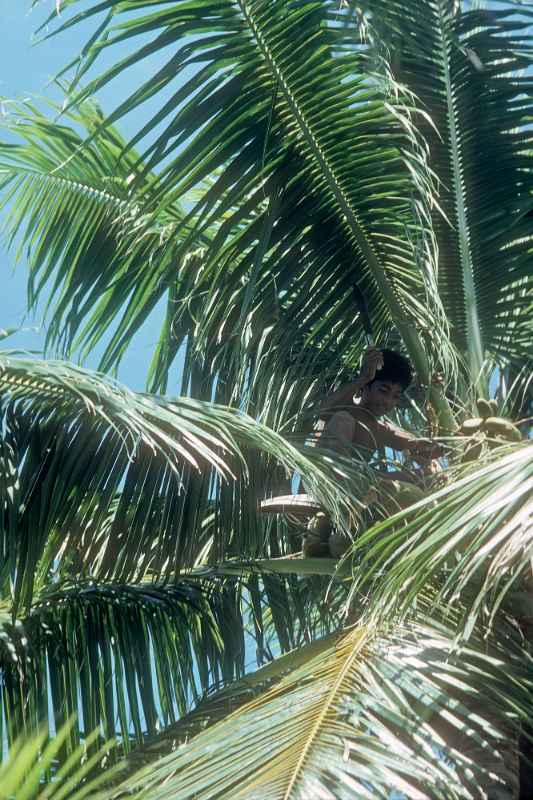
(372, 362)
(424, 450)
(435, 476)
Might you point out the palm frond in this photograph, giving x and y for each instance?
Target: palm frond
(81, 224)
(31, 769)
(285, 175)
(132, 659)
(133, 484)
(124, 659)
(218, 705)
(472, 539)
(469, 68)
(366, 715)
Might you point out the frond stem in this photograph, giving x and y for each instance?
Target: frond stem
(475, 344)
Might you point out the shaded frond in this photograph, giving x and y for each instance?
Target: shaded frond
(116, 484)
(473, 539)
(126, 659)
(469, 66)
(322, 183)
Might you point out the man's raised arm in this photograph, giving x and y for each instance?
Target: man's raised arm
(343, 397)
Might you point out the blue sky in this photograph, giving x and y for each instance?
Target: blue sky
(26, 69)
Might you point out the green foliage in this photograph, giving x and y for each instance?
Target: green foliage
(475, 87)
(471, 539)
(111, 610)
(318, 174)
(137, 484)
(272, 150)
(124, 659)
(31, 770)
(363, 713)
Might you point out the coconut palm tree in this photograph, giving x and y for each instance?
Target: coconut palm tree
(111, 608)
(316, 175)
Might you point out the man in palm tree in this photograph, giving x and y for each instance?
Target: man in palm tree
(352, 425)
(353, 414)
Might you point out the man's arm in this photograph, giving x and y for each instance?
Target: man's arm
(357, 428)
(343, 397)
(422, 450)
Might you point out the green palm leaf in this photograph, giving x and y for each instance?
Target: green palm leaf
(469, 69)
(362, 717)
(315, 175)
(472, 539)
(23, 774)
(126, 659)
(129, 483)
(89, 252)
(273, 146)
(132, 659)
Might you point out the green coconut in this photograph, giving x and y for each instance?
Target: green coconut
(397, 495)
(484, 408)
(498, 426)
(493, 407)
(471, 426)
(409, 494)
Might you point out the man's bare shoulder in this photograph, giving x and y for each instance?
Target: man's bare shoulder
(363, 416)
(382, 433)
(353, 416)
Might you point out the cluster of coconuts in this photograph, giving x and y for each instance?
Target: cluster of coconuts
(487, 425)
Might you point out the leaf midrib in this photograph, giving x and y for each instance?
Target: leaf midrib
(356, 649)
(474, 340)
(376, 269)
(332, 180)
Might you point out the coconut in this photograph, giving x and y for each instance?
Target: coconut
(483, 406)
(493, 407)
(498, 426)
(315, 544)
(397, 495)
(471, 426)
(409, 494)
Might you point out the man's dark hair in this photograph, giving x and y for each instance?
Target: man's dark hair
(396, 369)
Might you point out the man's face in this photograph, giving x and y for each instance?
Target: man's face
(381, 397)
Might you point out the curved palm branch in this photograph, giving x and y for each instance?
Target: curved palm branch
(131, 659)
(89, 238)
(217, 706)
(469, 67)
(368, 714)
(126, 659)
(285, 174)
(130, 484)
(472, 539)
